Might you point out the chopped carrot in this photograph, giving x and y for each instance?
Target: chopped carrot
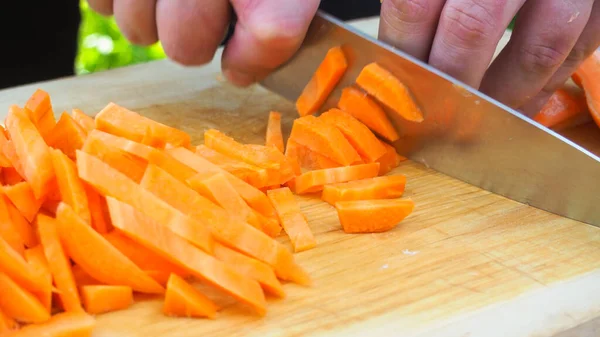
(85, 121)
(82, 278)
(390, 160)
(67, 135)
(309, 159)
(149, 233)
(71, 324)
(129, 165)
(9, 151)
(372, 216)
(39, 110)
(32, 151)
(587, 76)
(11, 176)
(286, 170)
(134, 148)
(323, 81)
(253, 175)
(20, 304)
(367, 145)
(291, 153)
(22, 226)
(110, 182)
(97, 256)
(274, 136)
(100, 299)
(60, 266)
(385, 187)
(360, 105)
(97, 206)
(183, 300)
(70, 186)
(228, 146)
(160, 276)
(389, 90)
(292, 219)
(4, 162)
(14, 265)
(37, 260)
(322, 138)
(9, 230)
(166, 162)
(561, 107)
(133, 126)
(22, 196)
(313, 181)
(269, 226)
(7, 324)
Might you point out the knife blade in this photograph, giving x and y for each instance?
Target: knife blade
(466, 134)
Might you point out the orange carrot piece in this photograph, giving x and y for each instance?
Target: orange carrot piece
(390, 160)
(85, 121)
(97, 206)
(100, 299)
(14, 265)
(7, 148)
(131, 125)
(60, 266)
(587, 75)
(71, 324)
(70, 186)
(269, 226)
(323, 81)
(8, 229)
(292, 219)
(228, 146)
(360, 105)
(389, 90)
(20, 304)
(39, 110)
(98, 257)
(82, 278)
(160, 276)
(21, 225)
(175, 168)
(149, 233)
(253, 175)
(32, 151)
(110, 182)
(120, 160)
(22, 196)
(7, 324)
(385, 187)
(37, 260)
(372, 216)
(322, 138)
(10, 176)
(134, 148)
(561, 107)
(183, 300)
(309, 159)
(4, 162)
(367, 145)
(286, 170)
(274, 136)
(66, 135)
(314, 181)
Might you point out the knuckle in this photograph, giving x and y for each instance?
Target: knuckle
(277, 34)
(543, 57)
(406, 11)
(184, 56)
(102, 7)
(469, 26)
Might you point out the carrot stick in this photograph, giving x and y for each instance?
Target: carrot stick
(183, 300)
(561, 107)
(60, 266)
(385, 187)
(66, 135)
(8, 229)
(22, 226)
(309, 159)
(37, 260)
(70, 186)
(85, 121)
(253, 175)
(97, 205)
(360, 105)
(587, 75)
(14, 265)
(7, 148)
(367, 145)
(22, 196)
(11, 176)
(314, 181)
(71, 324)
(269, 226)
(134, 148)
(286, 170)
(82, 278)
(386, 88)
(149, 233)
(228, 146)
(20, 304)
(100, 299)
(292, 219)
(274, 136)
(32, 151)
(98, 257)
(390, 160)
(321, 84)
(372, 216)
(7, 324)
(39, 110)
(175, 168)
(120, 160)
(110, 182)
(322, 138)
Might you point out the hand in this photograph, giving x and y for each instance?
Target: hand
(459, 37)
(267, 32)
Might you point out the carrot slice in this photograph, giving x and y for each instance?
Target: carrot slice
(274, 136)
(386, 187)
(360, 105)
(372, 216)
(322, 138)
(131, 125)
(85, 121)
(390, 160)
(98, 210)
(292, 219)
(149, 233)
(110, 182)
(228, 146)
(100, 299)
(19, 304)
(66, 135)
(14, 265)
(60, 267)
(127, 164)
(314, 181)
(323, 81)
(37, 260)
(253, 175)
(587, 75)
(7, 324)
(183, 300)
(70, 186)
(32, 151)
(98, 257)
(71, 324)
(389, 90)
(22, 196)
(561, 107)
(360, 137)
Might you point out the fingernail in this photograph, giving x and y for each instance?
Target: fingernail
(239, 78)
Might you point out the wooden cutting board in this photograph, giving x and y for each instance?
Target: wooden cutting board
(465, 263)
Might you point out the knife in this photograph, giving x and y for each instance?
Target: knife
(466, 134)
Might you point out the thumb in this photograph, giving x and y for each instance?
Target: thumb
(267, 34)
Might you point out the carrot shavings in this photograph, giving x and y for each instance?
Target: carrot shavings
(292, 219)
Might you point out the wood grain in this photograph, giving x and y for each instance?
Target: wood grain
(465, 263)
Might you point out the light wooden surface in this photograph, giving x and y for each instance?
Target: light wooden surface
(465, 263)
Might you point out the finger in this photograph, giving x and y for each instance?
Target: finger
(588, 42)
(104, 7)
(467, 36)
(410, 25)
(544, 34)
(267, 33)
(190, 30)
(137, 20)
